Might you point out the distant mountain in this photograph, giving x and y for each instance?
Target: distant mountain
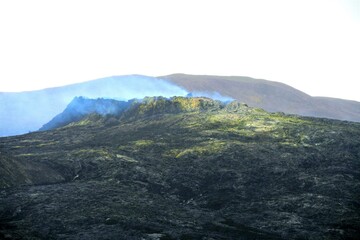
(269, 95)
(182, 168)
(29, 111)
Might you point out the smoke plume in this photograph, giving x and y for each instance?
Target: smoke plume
(27, 111)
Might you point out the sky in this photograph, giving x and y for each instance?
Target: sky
(312, 45)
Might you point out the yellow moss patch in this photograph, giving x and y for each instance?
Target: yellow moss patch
(26, 155)
(126, 158)
(187, 104)
(46, 144)
(143, 143)
(205, 148)
(31, 140)
(95, 152)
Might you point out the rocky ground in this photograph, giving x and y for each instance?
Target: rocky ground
(183, 169)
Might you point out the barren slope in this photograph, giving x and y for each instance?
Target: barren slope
(183, 169)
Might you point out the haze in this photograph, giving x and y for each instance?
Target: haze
(312, 45)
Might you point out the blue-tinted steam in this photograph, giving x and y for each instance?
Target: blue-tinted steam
(83, 106)
(28, 111)
(212, 95)
(80, 107)
(127, 87)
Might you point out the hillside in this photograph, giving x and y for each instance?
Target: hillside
(80, 107)
(269, 95)
(183, 168)
(28, 111)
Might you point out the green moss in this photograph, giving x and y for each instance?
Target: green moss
(160, 105)
(126, 158)
(98, 152)
(83, 122)
(143, 143)
(30, 141)
(46, 144)
(26, 155)
(205, 148)
(187, 104)
(17, 147)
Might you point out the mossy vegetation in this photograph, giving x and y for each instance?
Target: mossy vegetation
(204, 149)
(184, 169)
(143, 143)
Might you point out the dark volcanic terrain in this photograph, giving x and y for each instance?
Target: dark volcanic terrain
(183, 168)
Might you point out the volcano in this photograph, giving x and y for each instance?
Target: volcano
(28, 111)
(182, 168)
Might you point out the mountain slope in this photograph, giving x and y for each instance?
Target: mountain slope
(80, 107)
(185, 168)
(269, 95)
(28, 111)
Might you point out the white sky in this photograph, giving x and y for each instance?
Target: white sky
(312, 45)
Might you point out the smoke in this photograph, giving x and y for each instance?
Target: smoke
(127, 87)
(80, 107)
(212, 95)
(28, 111)
(83, 106)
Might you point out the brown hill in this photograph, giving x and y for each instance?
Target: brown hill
(269, 95)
